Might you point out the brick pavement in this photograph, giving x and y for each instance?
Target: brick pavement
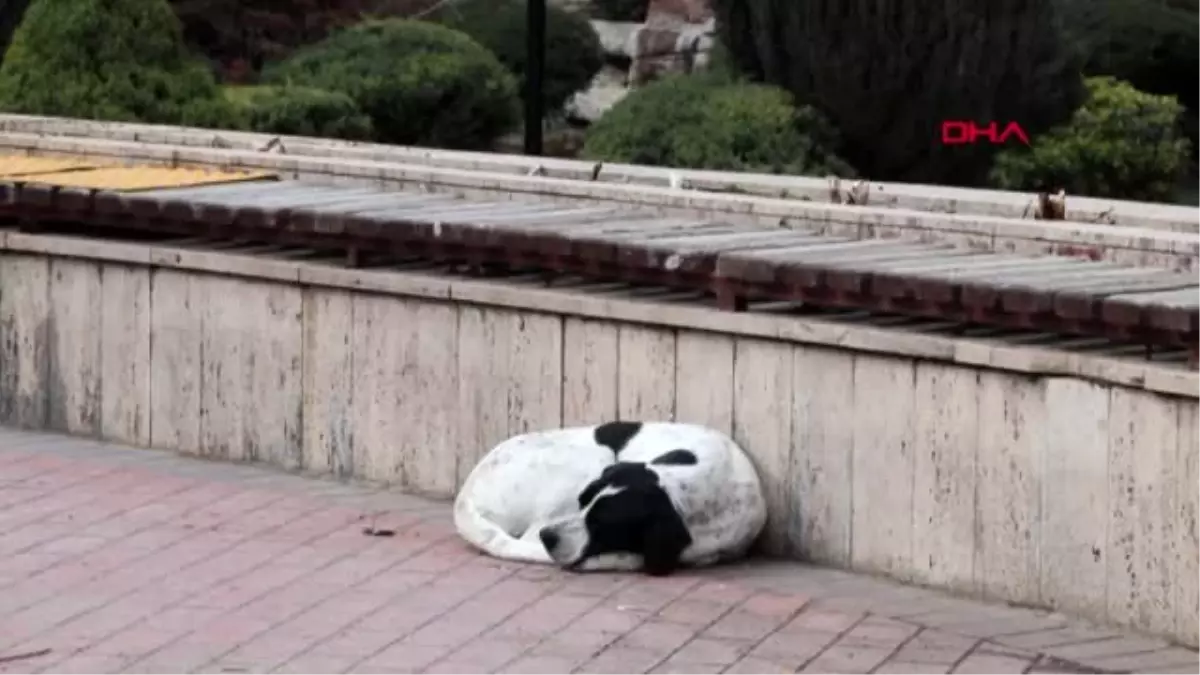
(123, 560)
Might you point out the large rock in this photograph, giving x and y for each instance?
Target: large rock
(663, 48)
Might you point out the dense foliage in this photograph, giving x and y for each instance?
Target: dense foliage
(106, 60)
(1152, 44)
(300, 111)
(573, 52)
(1121, 143)
(421, 83)
(710, 123)
(240, 36)
(888, 73)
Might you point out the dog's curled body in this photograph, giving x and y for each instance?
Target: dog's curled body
(620, 495)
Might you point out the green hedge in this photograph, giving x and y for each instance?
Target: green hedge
(300, 111)
(119, 60)
(420, 83)
(1122, 143)
(707, 122)
(573, 51)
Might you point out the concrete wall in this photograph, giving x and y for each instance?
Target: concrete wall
(1034, 487)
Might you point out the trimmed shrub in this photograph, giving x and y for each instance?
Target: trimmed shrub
(420, 83)
(300, 111)
(704, 122)
(1122, 143)
(573, 51)
(120, 60)
(621, 10)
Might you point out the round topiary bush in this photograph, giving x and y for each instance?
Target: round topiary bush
(704, 122)
(573, 51)
(1122, 143)
(420, 83)
(120, 60)
(621, 10)
(300, 111)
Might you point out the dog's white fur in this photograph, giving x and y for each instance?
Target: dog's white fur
(534, 480)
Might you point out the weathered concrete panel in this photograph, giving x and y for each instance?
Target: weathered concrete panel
(430, 442)
(329, 383)
(535, 375)
(24, 340)
(762, 420)
(589, 387)
(227, 348)
(176, 375)
(274, 375)
(645, 373)
(882, 417)
(1074, 487)
(73, 397)
(125, 363)
(483, 366)
(945, 432)
(822, 466)
(1143, 443)
(1008, 487)
(1187, 525)
(704, 379)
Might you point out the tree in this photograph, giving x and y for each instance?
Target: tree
(121, 60)
(11, 12)
(888, 72)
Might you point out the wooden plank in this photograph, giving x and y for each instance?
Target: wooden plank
(1176, 310)
(814, 271)
(333, 221)
(563, 241)
(1042, 294)
(201, 204)
(946, 287)
(761, 266)
(525, 233)
(697, 254)
(986, 294)
(1081, 303)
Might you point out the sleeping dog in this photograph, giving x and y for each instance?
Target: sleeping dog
(651, 496)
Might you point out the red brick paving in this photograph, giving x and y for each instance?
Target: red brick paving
(123, 560)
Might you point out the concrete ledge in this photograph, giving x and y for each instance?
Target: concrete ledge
(1049, 479)
(933, 198)
(1136, 246)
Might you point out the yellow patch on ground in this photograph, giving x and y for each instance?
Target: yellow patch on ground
(20, 166)
(133, 178)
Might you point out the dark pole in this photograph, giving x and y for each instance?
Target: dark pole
(535, 65)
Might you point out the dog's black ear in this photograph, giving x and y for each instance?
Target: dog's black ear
(666, 536)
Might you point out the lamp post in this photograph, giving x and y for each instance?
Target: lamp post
(535, 66)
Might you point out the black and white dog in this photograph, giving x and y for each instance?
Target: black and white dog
(650, 496)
